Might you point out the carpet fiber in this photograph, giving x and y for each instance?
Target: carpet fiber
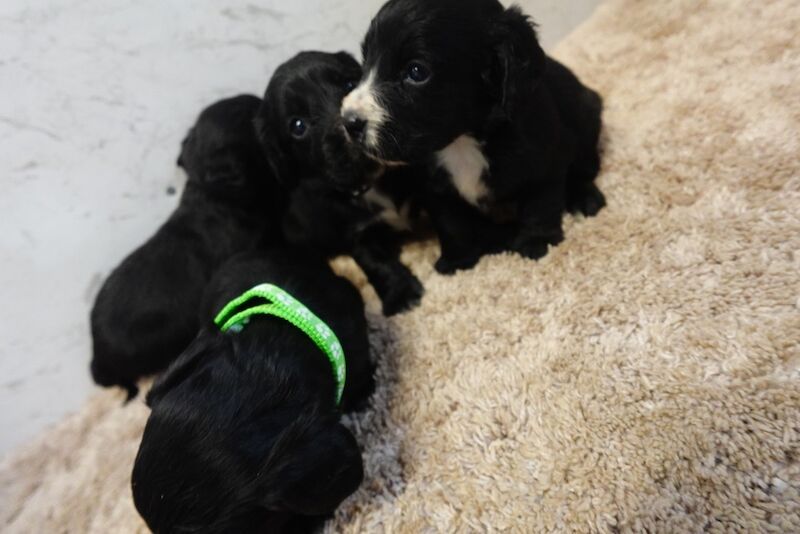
(644, 375)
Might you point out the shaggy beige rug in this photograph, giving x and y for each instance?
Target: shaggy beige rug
(645, 376)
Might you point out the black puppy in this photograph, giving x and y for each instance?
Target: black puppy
(463, 86)
(341, 201)
(146, 312)
(244, 434)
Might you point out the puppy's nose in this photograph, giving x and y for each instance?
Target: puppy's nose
(355, 126)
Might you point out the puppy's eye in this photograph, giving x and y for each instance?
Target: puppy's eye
(416, 73)
(298, 128)
(350, 85)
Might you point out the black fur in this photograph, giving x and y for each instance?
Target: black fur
(333, 185)
(146, 312)
(244, 434)
(485, 76)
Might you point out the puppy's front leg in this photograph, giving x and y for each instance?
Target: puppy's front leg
(377, 252)
(465, 235)
(540, 214)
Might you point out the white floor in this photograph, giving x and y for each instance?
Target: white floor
(96, 96)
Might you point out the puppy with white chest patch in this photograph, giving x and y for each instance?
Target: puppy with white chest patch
(340, 200)
(463, 87)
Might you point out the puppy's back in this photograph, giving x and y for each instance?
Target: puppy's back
(146, 312)
(579, 106)
(310, 279)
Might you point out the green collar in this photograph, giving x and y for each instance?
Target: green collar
(282, 304)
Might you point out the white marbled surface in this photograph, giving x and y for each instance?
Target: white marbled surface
(95, 96)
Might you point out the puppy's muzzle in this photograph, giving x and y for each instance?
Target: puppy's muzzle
(363, 114)
(356, 126)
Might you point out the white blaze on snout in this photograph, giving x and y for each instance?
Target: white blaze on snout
(363, 101)
(465, 161)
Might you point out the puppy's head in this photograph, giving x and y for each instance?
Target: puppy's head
(222, 452)
(436, 69)
(299, 123)
(221, 152)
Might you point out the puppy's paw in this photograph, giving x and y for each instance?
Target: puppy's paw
(533, 250)
(535, 247)
(133, 391)
(589, 201)
(361, 398)
(450, 264)
(402, 297)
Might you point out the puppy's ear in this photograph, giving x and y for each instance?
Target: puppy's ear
(519, 60)
(265, 129)
(207, 344)
(225, 173)
(314, 465)
(347, 59)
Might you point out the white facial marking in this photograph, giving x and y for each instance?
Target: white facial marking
(363, 101)
(465, 161)
(390, 214)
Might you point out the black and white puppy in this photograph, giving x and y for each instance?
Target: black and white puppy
(340, 200)
(146, 311)
(463, 86)
(244, 434)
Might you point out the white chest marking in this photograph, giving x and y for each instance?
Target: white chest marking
(466, 163)
(390, 214)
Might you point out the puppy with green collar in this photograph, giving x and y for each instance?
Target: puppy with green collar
(244, 434)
